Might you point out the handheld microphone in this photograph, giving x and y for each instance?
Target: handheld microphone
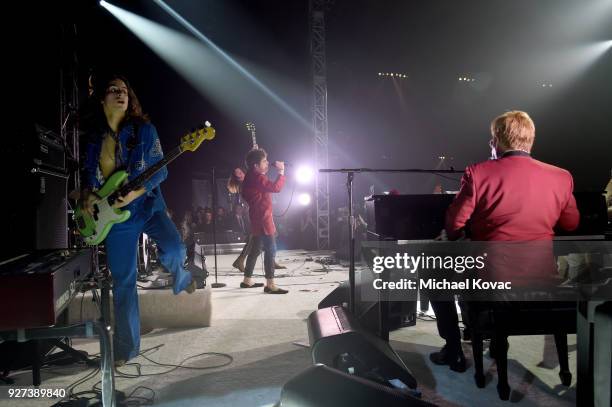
(274, 163)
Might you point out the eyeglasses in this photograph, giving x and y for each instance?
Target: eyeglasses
(116, 90)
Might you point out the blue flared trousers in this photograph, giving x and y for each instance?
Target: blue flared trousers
(121, 252)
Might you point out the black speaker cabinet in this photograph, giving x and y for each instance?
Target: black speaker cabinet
(337, 340)
(51, 225)
(35, 218)
(322, 386)
(401, 314)
(35, 206)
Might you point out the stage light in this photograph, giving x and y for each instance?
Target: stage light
(232, 62)
(563, 67)
(304, 175)
(188, 55)
(304, 199)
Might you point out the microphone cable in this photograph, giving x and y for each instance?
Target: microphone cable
(289, 204)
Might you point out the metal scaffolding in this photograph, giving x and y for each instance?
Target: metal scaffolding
(69, 96)
(69, 106)
(319, 117)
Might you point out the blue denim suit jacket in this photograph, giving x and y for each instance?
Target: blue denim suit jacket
(145, 151)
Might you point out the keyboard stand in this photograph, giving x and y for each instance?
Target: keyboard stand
(100, 328)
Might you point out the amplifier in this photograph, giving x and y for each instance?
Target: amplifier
(46, 149)
(34, 167)
(36, 146)
(36, 288)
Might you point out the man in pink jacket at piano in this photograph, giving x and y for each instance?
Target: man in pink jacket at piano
(511, 197)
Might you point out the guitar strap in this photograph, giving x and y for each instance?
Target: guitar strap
(131, 143)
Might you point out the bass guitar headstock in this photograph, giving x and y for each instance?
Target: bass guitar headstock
(192, 140)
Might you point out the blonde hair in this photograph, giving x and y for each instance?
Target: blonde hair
(234, 184)
(514, 130)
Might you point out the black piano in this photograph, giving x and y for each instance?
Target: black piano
(421, 218)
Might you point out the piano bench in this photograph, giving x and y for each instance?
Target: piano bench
(500, 320)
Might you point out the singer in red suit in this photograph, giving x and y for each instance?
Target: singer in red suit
(256, 191)
(512, 197)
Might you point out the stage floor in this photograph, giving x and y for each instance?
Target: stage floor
(265, 336)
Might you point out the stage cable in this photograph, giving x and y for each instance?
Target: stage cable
(289, 204)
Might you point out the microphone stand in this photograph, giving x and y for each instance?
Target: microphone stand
(216, 284)
(350, 173)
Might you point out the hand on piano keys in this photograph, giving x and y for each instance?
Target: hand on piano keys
(443, 236)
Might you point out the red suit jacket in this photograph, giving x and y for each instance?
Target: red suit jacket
(514, 198)
(256, 191)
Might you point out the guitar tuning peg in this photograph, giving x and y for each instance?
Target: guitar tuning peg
(207, 123)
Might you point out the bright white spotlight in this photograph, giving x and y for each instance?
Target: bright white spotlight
(304, 199)
(304, 174)
(233, 63)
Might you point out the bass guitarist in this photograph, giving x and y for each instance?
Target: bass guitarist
(120, 136)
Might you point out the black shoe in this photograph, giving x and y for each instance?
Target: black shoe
(458, 364)
(439, 358)
(254, 285)
(277, 291)
(455, 362)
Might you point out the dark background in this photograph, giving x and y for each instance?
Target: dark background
(505, 45)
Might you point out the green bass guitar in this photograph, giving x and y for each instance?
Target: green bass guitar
(95, 227)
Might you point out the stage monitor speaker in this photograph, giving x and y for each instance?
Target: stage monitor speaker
(337, 340)
(401, 314)
(322, 386)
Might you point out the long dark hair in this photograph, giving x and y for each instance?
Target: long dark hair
(96, 120)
